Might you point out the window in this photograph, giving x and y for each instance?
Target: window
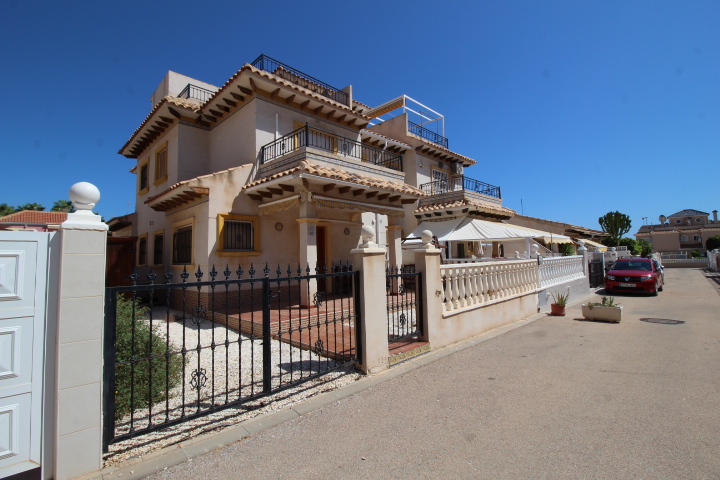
(142, 250)
(683, 238)
(698, 220)
(238, 236)
(697, 238)
(440, 180)
(182, 245)
(158, 249)
(143, 178)
(161, 165)
(678, 221)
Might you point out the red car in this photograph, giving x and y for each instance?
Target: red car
(634, 275)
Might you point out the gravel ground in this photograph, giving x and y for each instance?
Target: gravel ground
(237, 365)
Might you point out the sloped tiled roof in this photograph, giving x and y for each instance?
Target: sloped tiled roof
(688, 213)
(334, 174)
(466, 202)
(35, 216)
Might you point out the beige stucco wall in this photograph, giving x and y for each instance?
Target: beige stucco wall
(454, 328)
(232, 142)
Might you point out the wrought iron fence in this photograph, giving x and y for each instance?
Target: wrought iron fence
(198, 93)
(404, 302)
(427, 134)
(316, 138)
(263, 62)
(460, 183)
(178, 351)
(596, 274)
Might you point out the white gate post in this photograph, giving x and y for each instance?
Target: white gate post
(427, 262)
(370, 260)
(77, 440)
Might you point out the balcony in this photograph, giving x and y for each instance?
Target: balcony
(427, 134)
(198, 93)
(460, 183)
(315, 138)
(270, 65)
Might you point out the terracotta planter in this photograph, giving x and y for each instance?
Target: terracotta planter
(557, 310)
(607, 314)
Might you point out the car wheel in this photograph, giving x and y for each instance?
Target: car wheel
(655, 292)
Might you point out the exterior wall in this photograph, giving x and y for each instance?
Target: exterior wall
(193, 155)
(454, 328)
(232, 143)
(173, 83)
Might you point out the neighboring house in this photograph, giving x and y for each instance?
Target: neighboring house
(681, 232)
(123, 226)
(33, 220)
(591, 236)
(278, 167)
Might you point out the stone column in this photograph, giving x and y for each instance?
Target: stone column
(394, 244)
(308, 245)
(427, 262)
(582, 250)
(369, 259)
(78, 365)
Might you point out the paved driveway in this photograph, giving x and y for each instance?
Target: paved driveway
(558, 398)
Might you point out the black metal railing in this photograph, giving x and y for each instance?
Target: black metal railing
(427, 134)
(178, 351)
(263, 62)
(316, 138)
(460, 183)
(404, 302)
(198, 93)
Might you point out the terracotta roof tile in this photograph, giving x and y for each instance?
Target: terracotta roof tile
(331, 173)
(466, 203)
(179, 102)
(281, 81)
(35, 216)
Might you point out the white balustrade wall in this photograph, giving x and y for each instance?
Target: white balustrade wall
(476, 284)
(560, 270)
(713, 263)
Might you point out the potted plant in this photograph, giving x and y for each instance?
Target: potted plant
(607, 310)
(557, 308)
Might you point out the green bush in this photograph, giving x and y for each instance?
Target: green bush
(566, 249)
(150, 354)
(712, 243)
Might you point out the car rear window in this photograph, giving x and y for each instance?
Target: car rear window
(625, 265)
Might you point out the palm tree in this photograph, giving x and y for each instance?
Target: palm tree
(6, 209)
(63, 206)
(31, 206)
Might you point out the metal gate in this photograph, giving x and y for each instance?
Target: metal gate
(597, 275)
(23, 284)
(404, 302)
(178, 351)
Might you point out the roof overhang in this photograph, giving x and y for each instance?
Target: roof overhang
(177, 196)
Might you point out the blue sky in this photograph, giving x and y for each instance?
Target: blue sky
(576, 107)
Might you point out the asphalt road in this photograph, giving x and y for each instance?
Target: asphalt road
(557, 398)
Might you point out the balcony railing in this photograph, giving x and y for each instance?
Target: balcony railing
(460, 183)
(427, 134)
(320, 139)
(198, 93)
(263, 62)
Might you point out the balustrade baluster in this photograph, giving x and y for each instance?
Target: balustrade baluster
(463, 286)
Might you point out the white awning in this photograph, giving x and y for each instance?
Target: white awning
(468, 229)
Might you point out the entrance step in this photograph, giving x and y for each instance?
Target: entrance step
(401, 350)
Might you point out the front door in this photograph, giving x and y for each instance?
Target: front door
(23, 279)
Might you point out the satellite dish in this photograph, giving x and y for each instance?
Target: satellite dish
(662, 219)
